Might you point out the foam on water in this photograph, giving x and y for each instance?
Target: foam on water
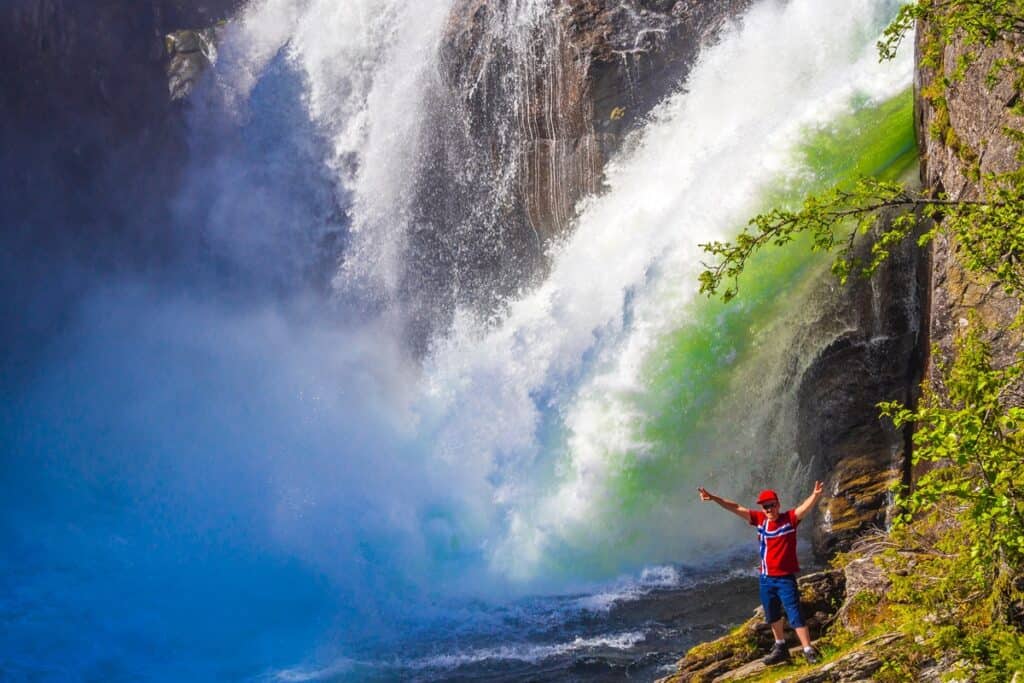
(630, 588)
(528, 653)
(532, 654)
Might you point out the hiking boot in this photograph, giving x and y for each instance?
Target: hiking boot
(779, 654)
(812, 655)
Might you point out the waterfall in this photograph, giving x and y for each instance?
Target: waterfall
(541, 401)
(497, 394)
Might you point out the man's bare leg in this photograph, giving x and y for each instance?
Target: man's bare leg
(778, 632)
(801, 632)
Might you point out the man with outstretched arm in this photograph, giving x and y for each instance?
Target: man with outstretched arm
(776, 533)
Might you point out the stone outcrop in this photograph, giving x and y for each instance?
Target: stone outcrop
(190, 53)
(858, 665)
(961, 138)
(847, 597)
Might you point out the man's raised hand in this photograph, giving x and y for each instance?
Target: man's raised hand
(704, 495)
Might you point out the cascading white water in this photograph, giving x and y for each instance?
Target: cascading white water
(533, 413)
(698, 172)
(367, 66)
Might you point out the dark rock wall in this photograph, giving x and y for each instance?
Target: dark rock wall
(90, 142)
(596, 68)
(919, 298)
(66, 60)
(878, 356)
(888, 351)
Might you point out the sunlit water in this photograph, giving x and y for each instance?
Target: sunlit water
(241, 480)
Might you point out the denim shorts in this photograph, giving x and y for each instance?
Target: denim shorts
(778, 592)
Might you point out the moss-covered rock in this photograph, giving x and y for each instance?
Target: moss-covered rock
(741, 650)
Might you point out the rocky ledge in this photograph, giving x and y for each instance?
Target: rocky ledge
(852, 622)
(738, 654)
(840, 604)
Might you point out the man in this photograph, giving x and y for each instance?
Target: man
(777, 535)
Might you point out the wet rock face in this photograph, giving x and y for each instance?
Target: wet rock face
(593, 68)
(533, 98)
(877, 357)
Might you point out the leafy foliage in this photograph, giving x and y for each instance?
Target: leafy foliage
(976, 22)
(990, 230)
(972, 433)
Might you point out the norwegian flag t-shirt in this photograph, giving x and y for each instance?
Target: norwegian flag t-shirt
(778, 542)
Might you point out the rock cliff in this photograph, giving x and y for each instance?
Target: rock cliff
(877, 356)
(961, 137)
(595, 68)
(91, 142)
(532, 99)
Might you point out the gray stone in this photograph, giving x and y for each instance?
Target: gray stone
(602, 65)
(190, 53)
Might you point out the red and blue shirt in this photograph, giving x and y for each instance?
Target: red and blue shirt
(778, 542)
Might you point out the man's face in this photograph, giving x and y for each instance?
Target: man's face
(771, 509)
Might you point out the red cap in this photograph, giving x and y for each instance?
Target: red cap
(767, 495)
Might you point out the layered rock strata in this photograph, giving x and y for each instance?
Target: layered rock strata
(591, 71)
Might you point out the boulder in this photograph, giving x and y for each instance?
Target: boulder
(866, 586)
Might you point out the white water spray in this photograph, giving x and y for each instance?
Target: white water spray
(699, 171)
(534, 410)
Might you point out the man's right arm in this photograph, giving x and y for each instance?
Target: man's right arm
(725, 504)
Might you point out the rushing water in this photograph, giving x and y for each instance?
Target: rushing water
(229, 477)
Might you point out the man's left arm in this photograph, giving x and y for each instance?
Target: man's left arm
(803, 508)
